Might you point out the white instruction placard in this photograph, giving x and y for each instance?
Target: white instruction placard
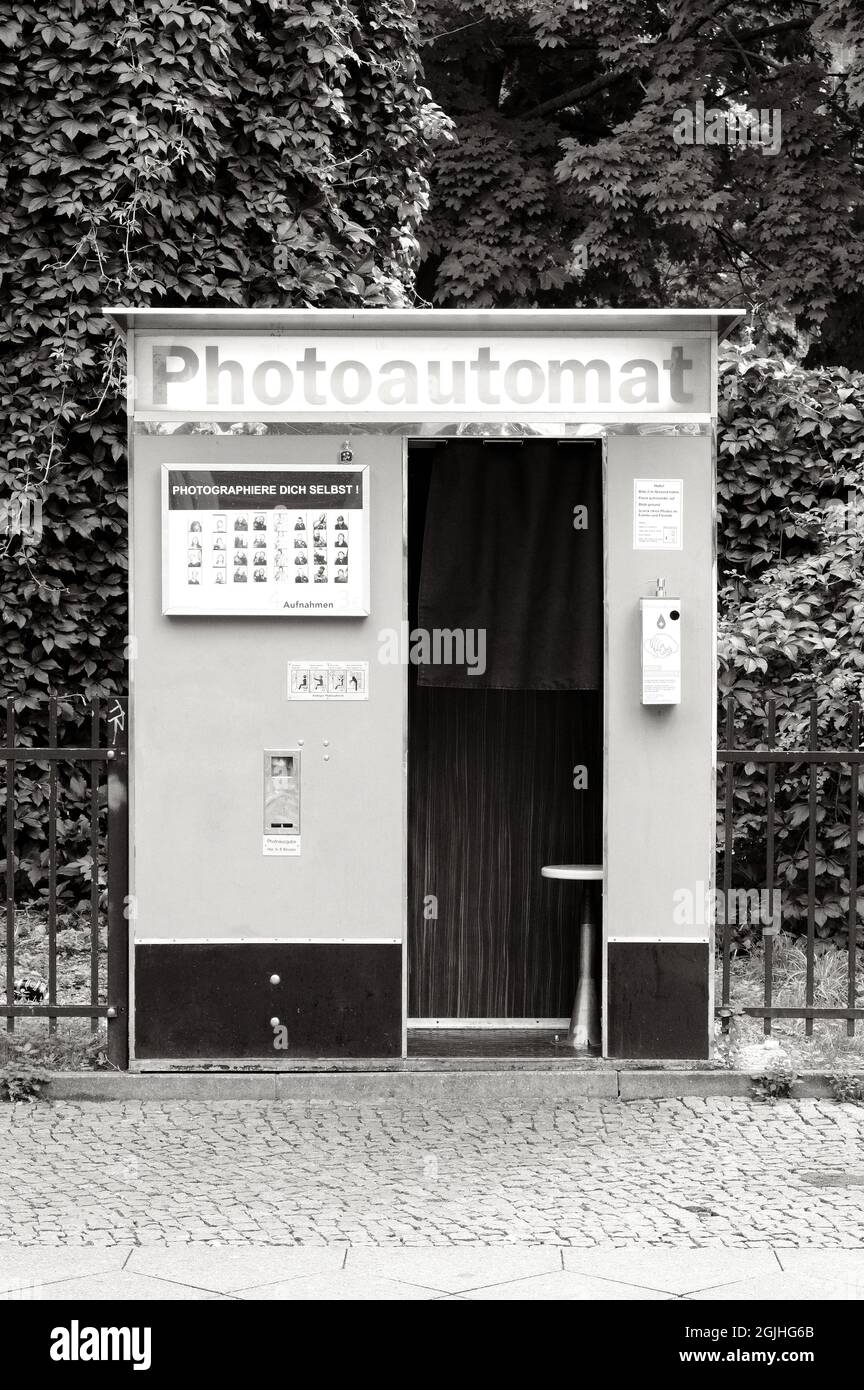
(658, 513)
(328, 680)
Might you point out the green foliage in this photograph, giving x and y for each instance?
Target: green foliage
(774, 1084)
(499, 232)
(847, 1087)
(21, 1081)
(564, 152)
(75, 1049)
(566, 113)
(791, 542)
(169, 152)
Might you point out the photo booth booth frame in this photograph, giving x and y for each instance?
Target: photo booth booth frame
(268, 828)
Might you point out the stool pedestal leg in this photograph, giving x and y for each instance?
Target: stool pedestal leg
(584, 1033)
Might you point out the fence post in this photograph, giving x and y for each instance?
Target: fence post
(770, 793)
(852, 918)
(118, 883)
(10, 865)
(728, 845)
(52, 861)
(812, 806)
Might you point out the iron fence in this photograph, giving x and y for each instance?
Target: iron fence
(103, 759)
(104, 756)
(808, 762)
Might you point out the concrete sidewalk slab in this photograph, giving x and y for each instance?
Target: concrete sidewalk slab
(780, 1288)
(24, 1266)
(343, 1286)
(564, 1284)
(118, 1285)
(845, 1266)
(673, 1271)
(229, 1270)
(476, 1273)
(454, 1269)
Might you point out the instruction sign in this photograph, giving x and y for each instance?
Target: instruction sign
(328, 680)
(658, 513)
(286, 541)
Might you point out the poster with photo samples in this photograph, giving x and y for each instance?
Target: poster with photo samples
(287, 540)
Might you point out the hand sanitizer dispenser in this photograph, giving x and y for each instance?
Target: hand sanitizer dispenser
(661, 648)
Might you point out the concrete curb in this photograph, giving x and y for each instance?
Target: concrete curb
(445, 1086)
(331, 1086)
(662, 1085)
(658, 1085)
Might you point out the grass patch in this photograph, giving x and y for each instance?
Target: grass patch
(19, 1083)
(74, 945)
(828, 1048)
(74, 1045)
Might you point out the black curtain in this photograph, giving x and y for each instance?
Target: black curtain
(512, 548)
(491, 794)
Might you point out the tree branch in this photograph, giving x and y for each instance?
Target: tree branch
(577, 94)
(598, 84)
(448, 33)
(766, 29)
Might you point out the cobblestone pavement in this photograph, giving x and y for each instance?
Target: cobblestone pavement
(679, 1173)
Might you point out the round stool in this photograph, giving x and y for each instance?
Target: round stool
(584, 1033)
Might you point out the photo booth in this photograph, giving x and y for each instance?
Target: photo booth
(422, 682)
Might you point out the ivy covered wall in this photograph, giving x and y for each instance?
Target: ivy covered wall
(791, 552)
(166, 154)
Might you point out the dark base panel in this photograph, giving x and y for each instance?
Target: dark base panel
(335, 1000)
(658, 999)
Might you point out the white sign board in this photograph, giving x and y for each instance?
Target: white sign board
(286, 540)
(658, 514)
(409, 377)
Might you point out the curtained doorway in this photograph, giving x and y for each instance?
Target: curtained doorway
(491, 758)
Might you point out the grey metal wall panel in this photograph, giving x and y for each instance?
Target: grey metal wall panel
(209, 696)
(659, 771)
